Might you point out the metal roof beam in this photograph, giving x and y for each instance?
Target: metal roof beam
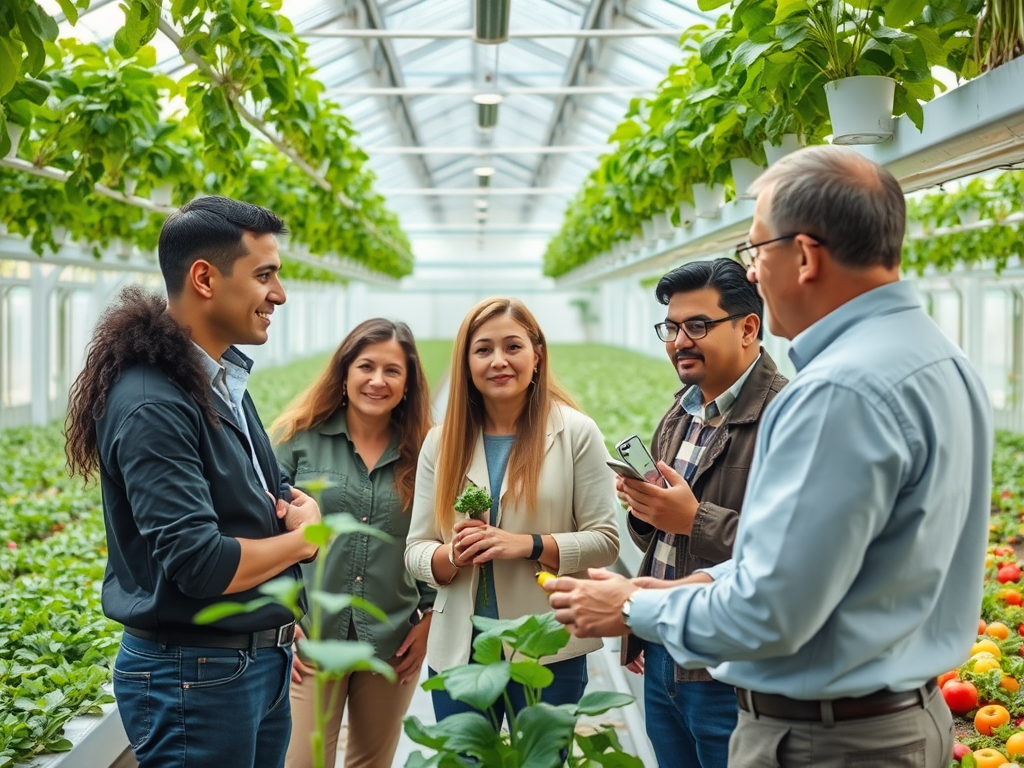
(556, 90)
(476, 191)
(591, 20)
(394, 74)
(480, 151)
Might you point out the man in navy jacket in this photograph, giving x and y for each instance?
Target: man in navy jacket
(196, 509)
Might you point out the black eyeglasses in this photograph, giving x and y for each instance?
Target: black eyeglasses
(747, 252)
(693, 329)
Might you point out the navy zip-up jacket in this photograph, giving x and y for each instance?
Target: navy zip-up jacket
(178, 492)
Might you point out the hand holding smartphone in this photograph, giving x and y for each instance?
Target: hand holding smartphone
(634, 454)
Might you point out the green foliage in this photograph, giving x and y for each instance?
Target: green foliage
(752, 78)
(936, 225)
(504, 651)
(99, 115)
(473, 501)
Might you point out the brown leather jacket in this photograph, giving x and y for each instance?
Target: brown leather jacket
(719, 484)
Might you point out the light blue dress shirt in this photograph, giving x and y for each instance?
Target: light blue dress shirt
(860, 552)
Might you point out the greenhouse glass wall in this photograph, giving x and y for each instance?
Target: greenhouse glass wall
(426, 155)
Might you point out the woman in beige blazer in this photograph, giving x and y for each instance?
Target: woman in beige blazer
(509, 426)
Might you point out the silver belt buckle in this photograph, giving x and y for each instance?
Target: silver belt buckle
(285, 634)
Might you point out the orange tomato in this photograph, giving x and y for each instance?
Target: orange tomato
(1010, 684)
(981, 626)
(990, 716)
(986, 646)
(1015, 744)
(998, 630)
(1010, 596)
(989, 758)
(945, 676)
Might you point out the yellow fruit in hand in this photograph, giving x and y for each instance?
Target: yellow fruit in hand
(544, 577)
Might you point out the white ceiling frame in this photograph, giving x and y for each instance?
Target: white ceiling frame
(554, 90)
(483, 151)
(467, 34)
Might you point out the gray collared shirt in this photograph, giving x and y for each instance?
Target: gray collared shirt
(229, 381)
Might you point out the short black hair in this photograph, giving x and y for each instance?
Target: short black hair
(210, 228)
(737, 295)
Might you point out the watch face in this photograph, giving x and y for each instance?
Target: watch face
(626, 607)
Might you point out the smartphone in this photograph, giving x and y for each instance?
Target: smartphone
(633, 452)
(625, 470)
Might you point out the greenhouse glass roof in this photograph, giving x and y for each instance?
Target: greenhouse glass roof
(412, 98)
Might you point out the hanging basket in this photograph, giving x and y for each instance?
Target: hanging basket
(790, 142)
(860, 109)
(744, 173)
(708, 199)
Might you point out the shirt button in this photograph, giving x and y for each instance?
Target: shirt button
(359, 579)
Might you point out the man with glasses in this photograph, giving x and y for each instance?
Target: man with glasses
(857, 568)
(704, 446)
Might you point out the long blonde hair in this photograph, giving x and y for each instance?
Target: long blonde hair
(464, 417)
(410, 418)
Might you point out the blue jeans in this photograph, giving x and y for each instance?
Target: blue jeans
(688, 723)
(567, 688)
(185, 707)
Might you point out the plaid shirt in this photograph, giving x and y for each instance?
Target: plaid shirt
(705, 422)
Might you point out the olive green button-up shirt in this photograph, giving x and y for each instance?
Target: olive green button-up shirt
(358, 564)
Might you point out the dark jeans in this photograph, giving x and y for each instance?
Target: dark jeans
(689, 723)
(567, 688)
(185, 707)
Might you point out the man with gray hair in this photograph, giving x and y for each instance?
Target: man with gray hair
(857, 567)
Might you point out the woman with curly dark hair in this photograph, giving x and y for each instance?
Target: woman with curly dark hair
(194, 503)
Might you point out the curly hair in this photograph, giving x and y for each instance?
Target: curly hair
(134, 329)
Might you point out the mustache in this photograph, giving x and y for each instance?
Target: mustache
(684, 354)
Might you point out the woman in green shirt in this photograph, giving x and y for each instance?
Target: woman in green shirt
(360, 427)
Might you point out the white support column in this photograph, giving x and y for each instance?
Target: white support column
(972, 316)
(44, 279)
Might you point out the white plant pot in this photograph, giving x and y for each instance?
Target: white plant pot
(687, 214)
(60, 235)
(744, 173)
(3, 229)
(122, 248)
(14, 132)
(663, 228)
(790, 143)
(970, 216)
(129, 186)
(860, 109)
(647, 228)
(162, 195)
(915, 228)
(635, 244)
(708, 199)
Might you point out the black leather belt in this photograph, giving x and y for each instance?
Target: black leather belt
(883, 702)
(201, 637)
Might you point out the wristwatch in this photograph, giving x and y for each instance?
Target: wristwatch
(627, 606)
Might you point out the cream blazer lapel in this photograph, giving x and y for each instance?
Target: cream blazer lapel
(478, 474)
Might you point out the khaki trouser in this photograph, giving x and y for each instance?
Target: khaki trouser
(919, 737)
(375, 711)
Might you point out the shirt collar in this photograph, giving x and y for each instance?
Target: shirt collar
(213, 368)
(892, 297)
(693, 402)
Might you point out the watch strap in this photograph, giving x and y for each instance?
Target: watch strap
(538, 547)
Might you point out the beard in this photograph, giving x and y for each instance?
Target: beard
(694, 376)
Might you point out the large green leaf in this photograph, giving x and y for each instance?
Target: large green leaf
(478, 685)
(465, 733)
(343, 524)
(212, 613)
(334, 603)
(531, 674)
(339, 657)
(599, 702)
(899, 13)
(541, 733)
(541, 636)
(10, 58)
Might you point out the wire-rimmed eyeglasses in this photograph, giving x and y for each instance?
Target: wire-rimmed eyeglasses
(692, 329)
(748, 254)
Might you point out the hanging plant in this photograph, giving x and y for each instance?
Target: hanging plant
(999, 37)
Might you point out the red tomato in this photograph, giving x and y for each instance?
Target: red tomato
(961, 696)
(981, 626)
(959, 750)
(1002, 551)
(1008, 573)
